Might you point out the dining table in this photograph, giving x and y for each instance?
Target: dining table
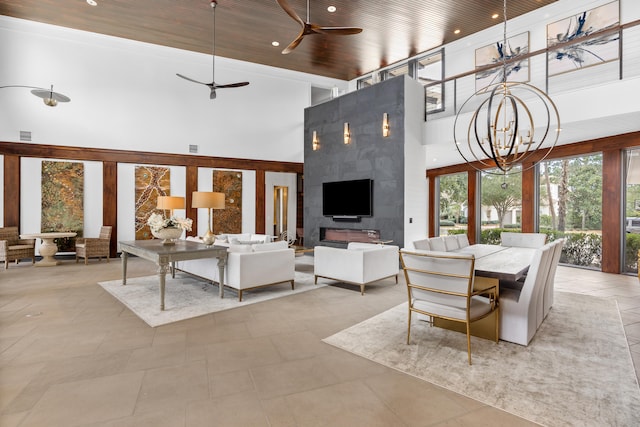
(492, 264)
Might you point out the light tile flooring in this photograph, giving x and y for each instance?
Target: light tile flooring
(72, 355)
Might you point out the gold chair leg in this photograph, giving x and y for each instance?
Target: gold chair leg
(292, 285)
(239, 295)
(361, 289)
(469, 342)
(409, 326)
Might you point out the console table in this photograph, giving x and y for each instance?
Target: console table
(163, 255)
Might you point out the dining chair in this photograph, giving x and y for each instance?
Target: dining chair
(549, 285)
(523, 240)
(92, 247)
(441, 285)
(519, 309)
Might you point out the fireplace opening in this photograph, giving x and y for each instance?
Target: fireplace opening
(346, 235)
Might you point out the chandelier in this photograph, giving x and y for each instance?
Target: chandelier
(502, 132)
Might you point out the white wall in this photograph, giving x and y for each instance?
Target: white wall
(126, 95)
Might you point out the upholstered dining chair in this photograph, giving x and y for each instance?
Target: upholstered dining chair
(441, 285)
(547, 297)
(92, 247)
(523, 240)
(13, 248)
(519, 308)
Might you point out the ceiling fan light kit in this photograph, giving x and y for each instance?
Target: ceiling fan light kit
(213, 85)
(49, 97)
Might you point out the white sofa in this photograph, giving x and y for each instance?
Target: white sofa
(248, 266)
(359, 263)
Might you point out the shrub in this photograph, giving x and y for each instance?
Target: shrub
(447, 223)
(631, 252)
(512, 226)
(458, 231)
(584, 249)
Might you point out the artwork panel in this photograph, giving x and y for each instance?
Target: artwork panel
(229, 219)
(494, 54)
(62, 200)
(584, 53)
(150, 182)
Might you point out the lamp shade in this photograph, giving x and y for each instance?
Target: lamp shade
(170, 202)
(207, 199)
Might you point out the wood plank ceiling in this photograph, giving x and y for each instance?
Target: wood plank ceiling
(393, 30)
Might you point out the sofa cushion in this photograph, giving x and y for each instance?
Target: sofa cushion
(233, 248)
(273, 246)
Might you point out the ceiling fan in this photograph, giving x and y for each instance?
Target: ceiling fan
(213, 85)
(309, 28)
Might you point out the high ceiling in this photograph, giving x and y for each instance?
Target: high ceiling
(393, 30)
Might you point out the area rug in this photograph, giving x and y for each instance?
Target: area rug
(187, 297)
(577, 370)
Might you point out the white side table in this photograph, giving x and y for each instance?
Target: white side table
(48, 248)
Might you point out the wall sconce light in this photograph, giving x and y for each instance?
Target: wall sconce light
(315, 142)
(347, 134)
(385, 125)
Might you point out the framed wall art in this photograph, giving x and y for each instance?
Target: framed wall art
(494, 54)
(584, 53)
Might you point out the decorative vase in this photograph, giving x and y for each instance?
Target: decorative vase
(168, 234)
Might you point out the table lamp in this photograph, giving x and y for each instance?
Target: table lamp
(209, 200)
(170, 203)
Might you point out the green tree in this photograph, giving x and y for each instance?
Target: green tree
(585, 186)
(453, 195)
(503, 192)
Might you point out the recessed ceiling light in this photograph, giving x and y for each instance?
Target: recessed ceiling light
(331, 9)
(456, 32)
(495, 16)
(275, 43)
(92, 2)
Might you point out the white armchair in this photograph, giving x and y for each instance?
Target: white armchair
(359, 263)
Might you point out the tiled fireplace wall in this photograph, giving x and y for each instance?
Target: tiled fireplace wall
(369, 155)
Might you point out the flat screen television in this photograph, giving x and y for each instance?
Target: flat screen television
(347, 198)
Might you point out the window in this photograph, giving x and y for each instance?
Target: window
(396, 71)
(453, 204)
(632, 212)
(365, 82)
(430, 69)
(570, 205)
(501, 204)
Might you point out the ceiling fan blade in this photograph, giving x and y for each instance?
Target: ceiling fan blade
(191, 80)
(231, 85)
(338, 31)
(285, 6)
(293, 44)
